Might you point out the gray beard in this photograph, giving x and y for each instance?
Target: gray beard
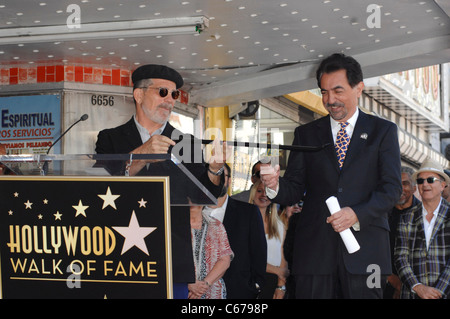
(156, 118)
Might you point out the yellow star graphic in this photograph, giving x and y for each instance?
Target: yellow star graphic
(109, 199)
(142, 203)
(58, 215)
(28, 204)
(81, 210)
(134, 235)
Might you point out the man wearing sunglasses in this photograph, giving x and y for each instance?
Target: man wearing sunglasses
(155, 90)
(422, 249)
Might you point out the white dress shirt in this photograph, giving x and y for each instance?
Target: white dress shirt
(218, 212)
(335, 127)
(428, 226)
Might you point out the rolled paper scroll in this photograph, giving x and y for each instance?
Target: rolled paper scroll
(347, 236)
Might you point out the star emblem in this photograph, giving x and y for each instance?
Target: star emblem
(142, 203)
(81, 210)
(28, 204)
(109, 199)
(58, 215)
(134, 235)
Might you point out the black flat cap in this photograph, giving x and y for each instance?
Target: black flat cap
(156, 71)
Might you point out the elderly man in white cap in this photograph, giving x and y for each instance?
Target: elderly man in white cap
(422, 250)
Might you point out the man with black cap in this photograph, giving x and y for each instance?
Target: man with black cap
(155, 90)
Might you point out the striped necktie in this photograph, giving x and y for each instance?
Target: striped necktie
(342, 141)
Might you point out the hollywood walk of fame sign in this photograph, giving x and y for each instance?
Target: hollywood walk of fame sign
(85, 237)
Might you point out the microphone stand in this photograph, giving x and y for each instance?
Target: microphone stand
(44, 169)
(297, 148)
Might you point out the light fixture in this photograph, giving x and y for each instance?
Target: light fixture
(104, 30)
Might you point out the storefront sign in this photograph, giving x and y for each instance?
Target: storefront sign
(30, 123)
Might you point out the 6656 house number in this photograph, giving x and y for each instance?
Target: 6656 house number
(102, 100)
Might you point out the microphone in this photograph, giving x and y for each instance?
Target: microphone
(84, 117)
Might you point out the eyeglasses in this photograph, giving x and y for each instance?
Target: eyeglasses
(430, 180)
(163, 92)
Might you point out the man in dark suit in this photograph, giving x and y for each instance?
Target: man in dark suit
(406, 202)
(155, 91)
(367, 186)
(245, 231)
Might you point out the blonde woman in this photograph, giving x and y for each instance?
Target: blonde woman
(276, 270)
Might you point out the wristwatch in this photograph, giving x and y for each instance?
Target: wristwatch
(283, 288)
(218, 173)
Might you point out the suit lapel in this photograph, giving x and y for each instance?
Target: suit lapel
(131, 133)
(359, 138)
(420, 240)
(168, 130)
(440, 218)
(357, 142)
(229, 211)
(326, 136)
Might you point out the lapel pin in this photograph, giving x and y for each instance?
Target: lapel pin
(364, 136)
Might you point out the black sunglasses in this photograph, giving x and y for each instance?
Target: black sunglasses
(430, 180)
(164, 91)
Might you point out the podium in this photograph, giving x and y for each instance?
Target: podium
(68, 229)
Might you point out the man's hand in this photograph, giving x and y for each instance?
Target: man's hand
(157, 144)
(270, 175)
(343, 219)
(427, 292)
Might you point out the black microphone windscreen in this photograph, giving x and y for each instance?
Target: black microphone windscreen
(84, 117)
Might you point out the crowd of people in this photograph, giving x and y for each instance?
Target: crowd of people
(419, 231)
(407, 239)
(278, 239)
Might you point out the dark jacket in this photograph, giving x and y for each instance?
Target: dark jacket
(369, 182)
(125, 138)
(245, 230)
